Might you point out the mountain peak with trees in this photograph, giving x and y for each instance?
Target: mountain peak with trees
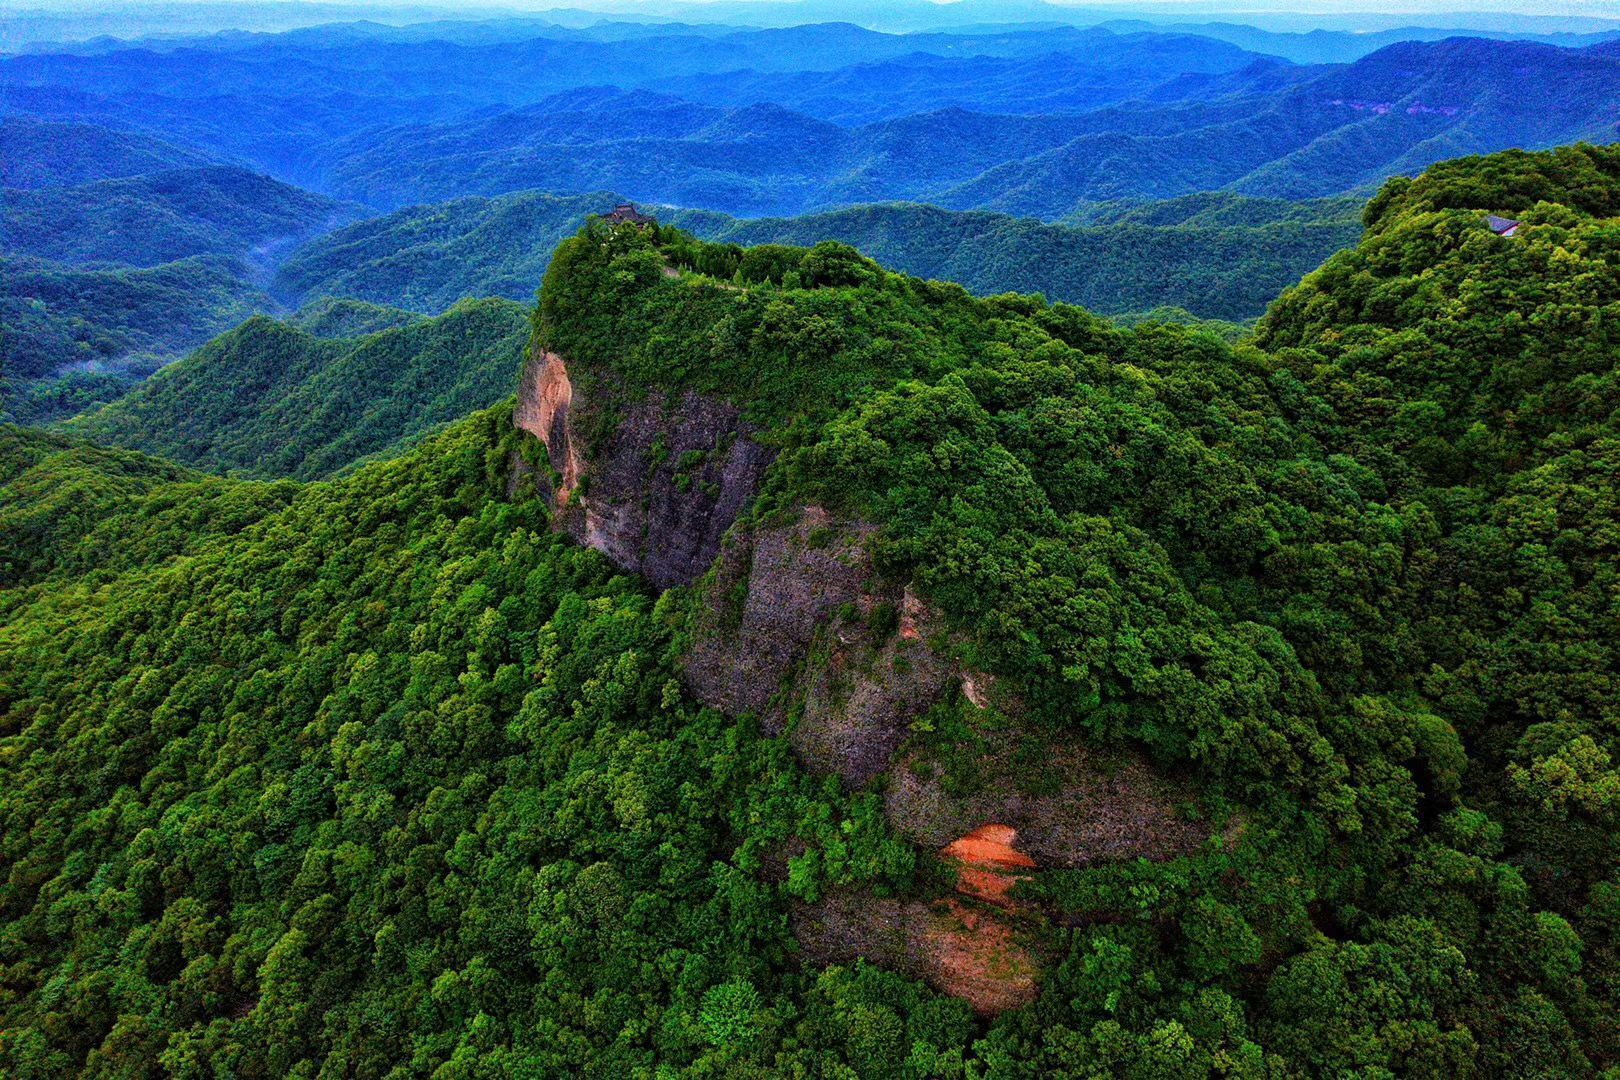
(1030, 694)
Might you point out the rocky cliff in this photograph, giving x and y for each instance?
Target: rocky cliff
(791, 621)
(660, 487)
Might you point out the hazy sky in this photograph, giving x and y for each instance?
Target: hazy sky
(1598, 8)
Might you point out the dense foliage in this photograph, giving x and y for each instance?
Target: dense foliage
(379, 776)
(54, 317)
(271, 399)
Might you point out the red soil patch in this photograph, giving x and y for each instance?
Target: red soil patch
(989, 846)
(975, 957)
(989, 863)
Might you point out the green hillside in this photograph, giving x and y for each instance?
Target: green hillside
(383, 775)
(269, 399)
(164, 216)
(1219, 258)
(57, 316)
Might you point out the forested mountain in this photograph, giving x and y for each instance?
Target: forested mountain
(36, 153)
(426, 258)
(1039, 697)
(163, 216)
(56, 317)
(1224, 257)
(274, 99)
(1218, 209)
(273, 399)
(116, 261)
(224, 164)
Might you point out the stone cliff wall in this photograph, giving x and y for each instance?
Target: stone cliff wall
(659, 492)
(796, 622)
(795, 625)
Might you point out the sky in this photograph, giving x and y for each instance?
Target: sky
(1591, 8)
(24, 22)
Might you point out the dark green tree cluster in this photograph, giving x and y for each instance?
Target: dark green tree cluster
(383, 775)
(1358, 574)
(379, 776)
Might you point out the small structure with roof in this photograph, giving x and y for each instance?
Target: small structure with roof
(1502, 226)
(627, 214)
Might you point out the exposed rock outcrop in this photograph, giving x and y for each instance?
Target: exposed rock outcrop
(797, 624)
(985, 957)
(657, 493)
(1081, 810)
(989, 863)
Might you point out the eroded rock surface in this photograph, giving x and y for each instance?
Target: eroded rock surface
(989, 863)
(1079, 810)
(795, 625)
(985, 957)
(660, 490)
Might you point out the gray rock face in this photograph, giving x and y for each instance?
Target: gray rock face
(659, 493)
(793, 623)
(1082, 809)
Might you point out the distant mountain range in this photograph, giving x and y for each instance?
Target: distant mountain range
(1318, 38)
(158, 194)
(784, 121)
(1268, 130)
(1036, 123)
(1217, 256)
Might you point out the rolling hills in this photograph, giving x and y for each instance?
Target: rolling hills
(271, 399)
(1033, 121)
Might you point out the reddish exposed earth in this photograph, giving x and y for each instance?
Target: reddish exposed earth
(989, 863)
(976, 956)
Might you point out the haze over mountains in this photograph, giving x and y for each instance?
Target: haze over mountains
(221, 165)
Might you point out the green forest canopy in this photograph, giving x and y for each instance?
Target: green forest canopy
(380, 776)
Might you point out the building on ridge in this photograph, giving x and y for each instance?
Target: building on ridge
(627, 214)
